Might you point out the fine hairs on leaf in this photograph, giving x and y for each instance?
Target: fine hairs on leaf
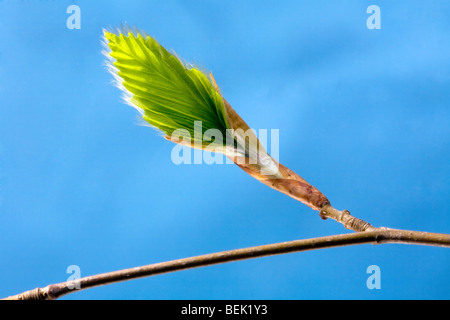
(169, 93)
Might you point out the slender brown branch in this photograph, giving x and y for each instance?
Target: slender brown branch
(376, 236)
(350, 222)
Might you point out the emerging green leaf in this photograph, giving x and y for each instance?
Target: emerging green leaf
(176, 97)
(169, 94)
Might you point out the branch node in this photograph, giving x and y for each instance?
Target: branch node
(323, 214)
(345, 218)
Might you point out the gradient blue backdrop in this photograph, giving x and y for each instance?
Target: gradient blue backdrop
(363, 115)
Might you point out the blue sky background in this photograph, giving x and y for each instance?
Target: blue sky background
(363, 115)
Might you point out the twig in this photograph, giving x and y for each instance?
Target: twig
(375, 236)
(344, 217)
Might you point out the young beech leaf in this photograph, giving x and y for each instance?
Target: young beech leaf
(175, 97)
